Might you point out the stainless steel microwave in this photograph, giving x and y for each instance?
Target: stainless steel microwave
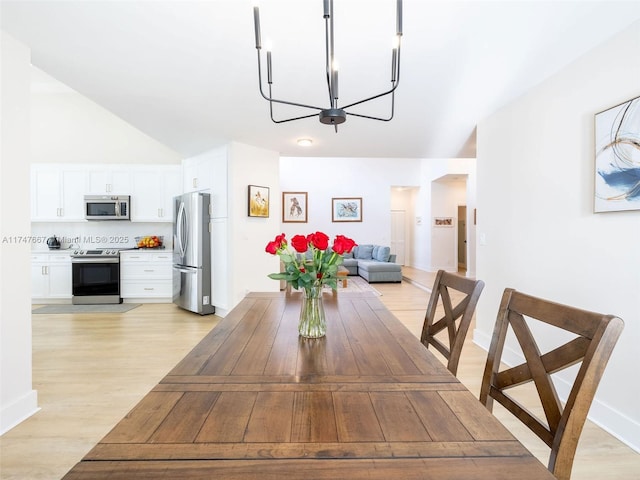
(107, 207)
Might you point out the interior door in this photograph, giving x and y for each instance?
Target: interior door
(462, 237)
(398, 246)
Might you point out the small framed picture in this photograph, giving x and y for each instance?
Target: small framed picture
(258, 201)
(346, 209)
(443, 221)
(294, 207)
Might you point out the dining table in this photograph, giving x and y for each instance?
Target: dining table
(254, 400)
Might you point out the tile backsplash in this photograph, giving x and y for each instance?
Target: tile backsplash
(107, 234)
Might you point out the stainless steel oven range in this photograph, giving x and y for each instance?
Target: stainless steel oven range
(95, 276)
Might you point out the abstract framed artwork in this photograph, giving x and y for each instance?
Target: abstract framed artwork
(346, 209)
(443, 221)
(617, 158)
(294, 207)
(258, 201)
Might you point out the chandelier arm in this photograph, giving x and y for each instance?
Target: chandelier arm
(333, 94)
(292, 119)
(271, 99)
(287, 119)
(327, 56)
(334, 115)
(371, 118)
(379, 118)
(285, 102)
(391, 90)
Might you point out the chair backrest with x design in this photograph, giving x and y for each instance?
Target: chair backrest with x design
(444, 298)
(594, 336)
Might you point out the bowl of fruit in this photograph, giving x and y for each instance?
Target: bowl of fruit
(150, 241)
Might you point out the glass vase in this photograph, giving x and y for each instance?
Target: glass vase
(312, 322)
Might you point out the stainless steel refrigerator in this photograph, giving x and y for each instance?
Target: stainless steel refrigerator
(192, 252)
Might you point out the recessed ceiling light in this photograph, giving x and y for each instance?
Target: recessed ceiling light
(305, 142)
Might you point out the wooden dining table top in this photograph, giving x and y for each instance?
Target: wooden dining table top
(253, 400)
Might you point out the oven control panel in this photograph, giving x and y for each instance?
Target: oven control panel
(112, 252)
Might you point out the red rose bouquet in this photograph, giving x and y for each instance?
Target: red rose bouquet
(312, 263)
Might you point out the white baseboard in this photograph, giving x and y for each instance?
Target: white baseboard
(610, 420)
(18, 411)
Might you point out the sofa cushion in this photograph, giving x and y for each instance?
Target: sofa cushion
(364, 252)
(351, 264)
(382, 254)
(376, 266)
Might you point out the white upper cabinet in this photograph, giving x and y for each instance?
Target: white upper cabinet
(153, 191)
(109, 180)
(57, 193)
(197, 174)
(58, 190)
(208, 171)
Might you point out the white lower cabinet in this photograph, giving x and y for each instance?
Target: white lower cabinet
(146, 275)
(50, 276)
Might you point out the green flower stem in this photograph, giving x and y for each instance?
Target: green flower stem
(312, 322)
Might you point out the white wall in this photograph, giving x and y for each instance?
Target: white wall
(326, 178)
(67, 127)
(535, 204)
(445, 198)
(403, 200)
(249, 264)
(17, 398)
(372, 179)
(58, 126)
(431, 251)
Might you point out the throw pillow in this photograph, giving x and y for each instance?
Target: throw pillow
(382, 255)
(364, 252)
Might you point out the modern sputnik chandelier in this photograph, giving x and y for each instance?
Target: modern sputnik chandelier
(335, 114)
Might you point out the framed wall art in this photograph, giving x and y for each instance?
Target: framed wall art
(258, 201)
(294, 207)
(443, 221)
(346, 209)
(617, 154)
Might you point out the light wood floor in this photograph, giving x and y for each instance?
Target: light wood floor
(90, 370)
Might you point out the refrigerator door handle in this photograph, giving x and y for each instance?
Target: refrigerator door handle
(185, 270)
(181, 230)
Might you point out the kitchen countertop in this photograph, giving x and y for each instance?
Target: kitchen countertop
(63, 251)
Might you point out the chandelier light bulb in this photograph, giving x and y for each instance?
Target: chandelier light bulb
(334, 114)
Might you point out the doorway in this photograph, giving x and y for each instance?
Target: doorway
(398, 236)
(462, 237)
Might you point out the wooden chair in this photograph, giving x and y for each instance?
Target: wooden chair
(446, 285)
(594, 336)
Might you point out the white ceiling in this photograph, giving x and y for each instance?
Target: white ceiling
(185, 72)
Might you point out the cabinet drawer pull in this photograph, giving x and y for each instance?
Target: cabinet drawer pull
(149, 270)
(149, 288)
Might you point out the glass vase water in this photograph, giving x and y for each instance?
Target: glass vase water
(312, 322)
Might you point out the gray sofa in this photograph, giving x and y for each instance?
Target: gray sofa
(374, 263)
